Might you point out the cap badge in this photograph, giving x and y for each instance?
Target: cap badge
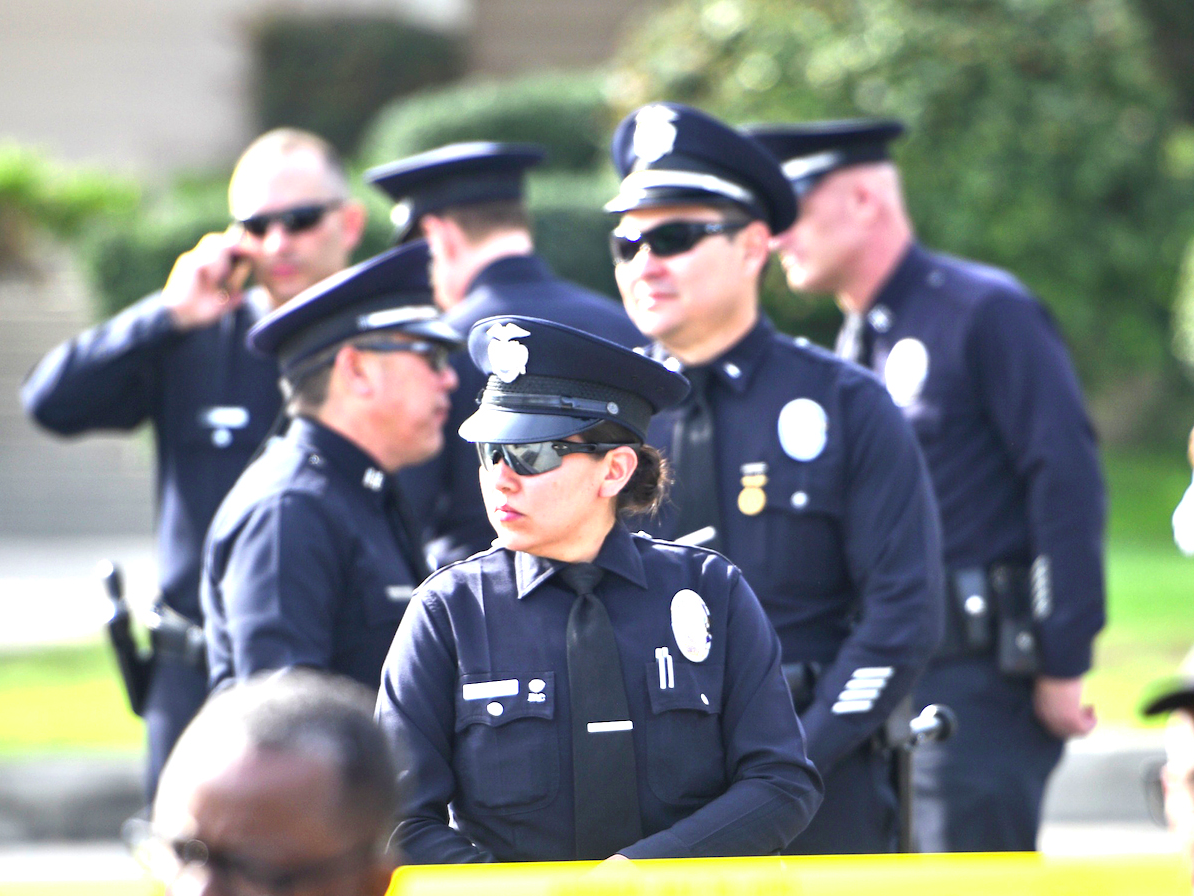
(507, 357)
(803, 429)
(752, 499)
(905, 371)
(654, 133)
(690, 625)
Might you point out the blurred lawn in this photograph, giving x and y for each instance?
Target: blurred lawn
(70, 698)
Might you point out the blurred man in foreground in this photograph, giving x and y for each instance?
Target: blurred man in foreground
(281, 785)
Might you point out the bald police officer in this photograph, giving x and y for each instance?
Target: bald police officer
(467, 200)
(796, 465)
(178, 360)
(978, 368)
(310, 560)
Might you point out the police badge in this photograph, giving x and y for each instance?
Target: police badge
(654, 134)
(507, 357)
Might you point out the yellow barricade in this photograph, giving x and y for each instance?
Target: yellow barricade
(981, 874)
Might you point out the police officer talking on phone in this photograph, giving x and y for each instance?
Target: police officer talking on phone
(978, 368)
(579, 691)
(793, 463)
(312, 556)
(178, 360)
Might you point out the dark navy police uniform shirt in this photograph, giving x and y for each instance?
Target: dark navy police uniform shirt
(211, 401)
(445, 490)
(476, 689)
(842, 546)
(302, 567)
(978, 368)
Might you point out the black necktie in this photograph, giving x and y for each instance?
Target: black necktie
(604, 782)
(856, 340)
(695, 491)
(405, 531)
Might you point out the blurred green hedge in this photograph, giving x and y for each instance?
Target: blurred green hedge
(331, 72)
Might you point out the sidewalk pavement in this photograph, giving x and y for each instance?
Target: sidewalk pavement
(74, 805)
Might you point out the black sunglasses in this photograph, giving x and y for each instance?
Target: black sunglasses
(293, 220)
(436, 354)
(533, 458)
(666, 240)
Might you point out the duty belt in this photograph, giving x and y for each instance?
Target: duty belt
(991, 611)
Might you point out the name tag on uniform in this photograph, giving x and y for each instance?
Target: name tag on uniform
(224, 417)
(399, 592)
(487, 690)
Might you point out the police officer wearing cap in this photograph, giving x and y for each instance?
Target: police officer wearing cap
(467, 200)
(578, 691)
(795, 464)
(177, 360)
(311, 559)
(978, 368)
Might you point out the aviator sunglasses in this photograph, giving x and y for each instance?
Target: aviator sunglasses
(666, 240)
(436, 354)
(533, 458)
(293, 220)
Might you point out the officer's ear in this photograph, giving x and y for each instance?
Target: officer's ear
(756, 244)
(620, 464)
(444, 237)
(351, 371)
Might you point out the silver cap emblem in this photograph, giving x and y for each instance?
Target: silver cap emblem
(507, 357)
(654, 134)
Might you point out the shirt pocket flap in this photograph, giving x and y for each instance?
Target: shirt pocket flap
(686, 686)
(496, 699)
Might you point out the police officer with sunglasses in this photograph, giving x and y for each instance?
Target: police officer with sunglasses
(467, 200)
(579, 691)
(312, 557)
(793, 463)
(178, 361)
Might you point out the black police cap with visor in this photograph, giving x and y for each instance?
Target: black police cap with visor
(807, 152)
(453, 175)
(671, 154)
(389, 292)
(548, 381)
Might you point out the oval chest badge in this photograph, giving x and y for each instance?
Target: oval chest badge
(803, 429)
(690, 625)
(905, 371)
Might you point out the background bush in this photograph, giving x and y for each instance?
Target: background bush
(1041, 139)
(331, 73)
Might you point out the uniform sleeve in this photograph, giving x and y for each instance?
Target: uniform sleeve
(278, 581)
(105, 378)
(892, 541)
(416, 708)
(774, 788)
(1033, 398)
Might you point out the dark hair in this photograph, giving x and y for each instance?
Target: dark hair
(481, 219)
(648, 486)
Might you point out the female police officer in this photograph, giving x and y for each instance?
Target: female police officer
(579, 692)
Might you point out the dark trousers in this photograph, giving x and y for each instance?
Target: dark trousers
(176, 691)
(982, 789)
(859, 813)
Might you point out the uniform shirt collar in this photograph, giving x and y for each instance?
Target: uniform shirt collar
(618, 555)
(908, 275)
(737, 365)
(342, 455)
(510, 269)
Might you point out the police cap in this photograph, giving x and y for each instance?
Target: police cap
(670, 154)
(456, 174)
(390, 291)
(548, 381)
(809, 151)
